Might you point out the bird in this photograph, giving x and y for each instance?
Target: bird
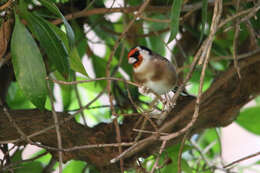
(152, 70)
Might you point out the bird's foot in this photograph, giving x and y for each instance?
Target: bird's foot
(144, 90)
(155, 115)
(167, 103)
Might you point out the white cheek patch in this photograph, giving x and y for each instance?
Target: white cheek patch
(145, 52)
(132, 60)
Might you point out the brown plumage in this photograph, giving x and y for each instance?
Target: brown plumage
(152, 70)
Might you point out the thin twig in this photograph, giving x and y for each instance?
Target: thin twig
(136, 107)
(119, 140)
(118, 41)
(181, 150)
(167, 47)
(108, 67)
(23, 135)
(235, 41)
(252, 35)
(53, 126)
(92, 80)
(242, 159)
(23, 161)
(202, 154)
(213, 29)
(18, 129)
(252, 10)
(150, 139)
(131, 9)
(150, 132)
(251, 14)
(151, 121)
(79, 102)
(49, 168)
(85, 146)
(57, 127)
(239, 57)
(99, 107)
(150, 33)
(97, 22)
(99, 146)
(147, 141)
(133, 148)
(158, 157)
(130, 97)
(6, 5)
(143, 114)
(98, 79)
(155, 20)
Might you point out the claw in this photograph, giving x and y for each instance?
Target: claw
(144, 90)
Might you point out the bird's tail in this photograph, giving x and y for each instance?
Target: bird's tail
(183, 93)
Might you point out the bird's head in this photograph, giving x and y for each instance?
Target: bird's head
(138, 55)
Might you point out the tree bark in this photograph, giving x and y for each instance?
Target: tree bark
(220, 105)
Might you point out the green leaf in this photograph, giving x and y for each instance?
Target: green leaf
(93, 19)
(61, 34)
(257, 100)
(175, 18)
(80, 38)
(28, 65)
(124, 64)
(66, 90)
(207, 138)
(43, 159)
(26, 167)
(156, 42)
(74, 166)
(50, 42)
(249, 119)
(54, 9)
(99, 65)
(204, 17)
(173, 166)
(16, 98)
(172, 154)
(76, 63)
(17, 156)
(196, 78)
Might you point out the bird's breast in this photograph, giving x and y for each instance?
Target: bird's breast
(159, 86)
(157, 75)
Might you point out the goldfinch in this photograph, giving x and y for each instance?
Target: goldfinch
(152, 70)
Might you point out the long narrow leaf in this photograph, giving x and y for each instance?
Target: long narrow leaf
(50, 42)
(76, 63)
(54, 9)
(204, 17)
(28, 65)
(175, 18)
(249, 119)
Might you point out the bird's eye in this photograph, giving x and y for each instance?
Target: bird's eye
(136, 54)
(133, 53)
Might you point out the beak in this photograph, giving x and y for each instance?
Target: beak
(132, 60)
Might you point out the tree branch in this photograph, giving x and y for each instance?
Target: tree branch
(220, 105)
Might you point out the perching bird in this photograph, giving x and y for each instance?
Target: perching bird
(152, 70)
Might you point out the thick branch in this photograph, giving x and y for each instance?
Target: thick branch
(220, 105)
(131, 9)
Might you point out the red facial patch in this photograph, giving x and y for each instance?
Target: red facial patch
(131, 52)
(139, 57)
